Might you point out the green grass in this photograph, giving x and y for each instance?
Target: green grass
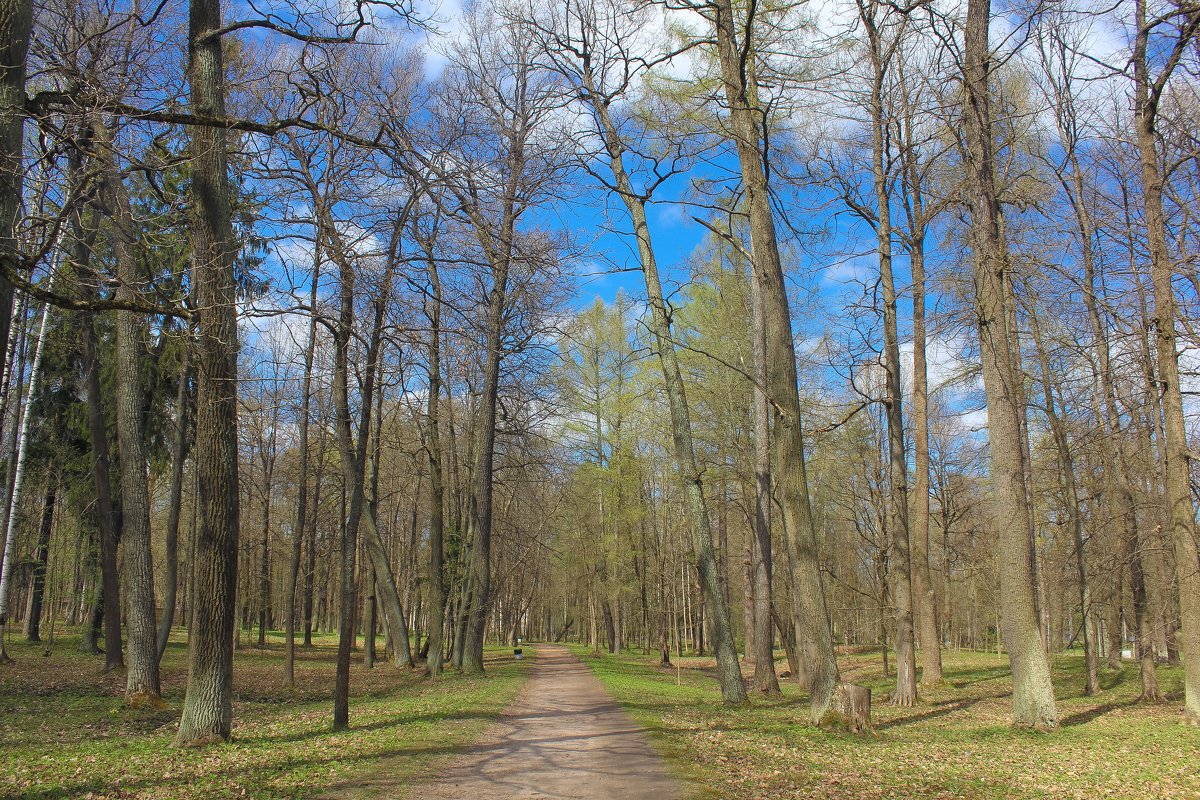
(65, 731)
(957, 743)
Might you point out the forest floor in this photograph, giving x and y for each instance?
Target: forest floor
(956, 743)
(65, 731)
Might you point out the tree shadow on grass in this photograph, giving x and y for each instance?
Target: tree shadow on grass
(1089, 714)
(161, 786)
(942, 709)
(379, 725)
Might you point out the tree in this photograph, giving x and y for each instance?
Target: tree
(1033, 693)
(788, 462)
(1181, 23)
(572, 35)
(208, 703)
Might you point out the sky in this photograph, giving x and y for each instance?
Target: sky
(830, 271)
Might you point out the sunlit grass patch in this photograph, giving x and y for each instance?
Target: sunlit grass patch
(65, 731)
(956, 743)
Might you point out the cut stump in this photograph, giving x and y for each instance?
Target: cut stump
(849, 710)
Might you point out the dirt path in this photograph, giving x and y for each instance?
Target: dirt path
(563, 737)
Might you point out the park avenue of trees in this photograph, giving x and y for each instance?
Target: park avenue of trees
(680, 326)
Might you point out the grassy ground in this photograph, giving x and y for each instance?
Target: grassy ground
(956, 744)
(65, 732)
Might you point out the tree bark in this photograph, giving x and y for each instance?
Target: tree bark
(207, 708)
(299, 532)
(733, 690)
(789, 469)
(1070, 500)
(37, 589)
(16, 24)
(142, 676)
(1181, 511)
(765, 679)
(1033, 693)
(178, 459)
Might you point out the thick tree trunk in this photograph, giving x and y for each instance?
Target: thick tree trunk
(905, 693)
(1033, 693)
(16, 23)
(790, 472)
(1181, 511)
(207, 708)
(142, 676)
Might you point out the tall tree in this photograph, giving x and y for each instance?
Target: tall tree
(1033, 693)
(208, 703)
(739, 84)
(1168, 36)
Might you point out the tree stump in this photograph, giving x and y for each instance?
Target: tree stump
(849, 710)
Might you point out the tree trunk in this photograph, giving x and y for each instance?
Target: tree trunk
(37, 589)
(765, 679)
(925, 602)
(1033, 693)
(207, 708)
(1070, 499)
(299, 532)
(1181, 511)
(106, 520)
(790, 472)
(733, 690)
(179, 456)
(142, 676)
(437, 492)
(16, 24)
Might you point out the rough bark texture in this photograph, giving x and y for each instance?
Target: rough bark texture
(141, 678)
(16, 22)
(207, 708)
(849, 709)
(790, 474)
(1181, 511)
(1033, 693)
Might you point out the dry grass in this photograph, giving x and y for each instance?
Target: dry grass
(957, 743)
(66, 732)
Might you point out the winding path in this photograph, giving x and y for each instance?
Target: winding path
(563, 737)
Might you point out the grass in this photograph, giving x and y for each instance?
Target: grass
(957, 743)
(65, 731)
